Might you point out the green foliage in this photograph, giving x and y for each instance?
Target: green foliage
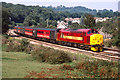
(35, 15)
(17, 45)
(116, 34)
(106, 13)
(92, 69)
(69, 22)
(50, 55)
(24, 44)
(108, 43)
(109, 26)
(50, 26)
(75, 10)
(66, 67)
(5, 20)
(89, 21)
(116, 41)
(19, 24)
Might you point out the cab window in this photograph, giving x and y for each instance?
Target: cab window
(89, 31)
(93, 31)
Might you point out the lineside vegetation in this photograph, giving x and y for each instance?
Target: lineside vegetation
(69, 65)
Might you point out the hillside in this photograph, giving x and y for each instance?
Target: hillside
(76, 9)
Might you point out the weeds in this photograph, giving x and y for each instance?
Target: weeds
(94, 69)
(83, 65)
(66, 67)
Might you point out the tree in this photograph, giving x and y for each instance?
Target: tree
(5, 20)
(89, 20)
(69, 22)
(116, 35)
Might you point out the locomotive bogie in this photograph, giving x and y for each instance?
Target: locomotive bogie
(97, 47)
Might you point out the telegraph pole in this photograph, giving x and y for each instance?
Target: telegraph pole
(47, 22)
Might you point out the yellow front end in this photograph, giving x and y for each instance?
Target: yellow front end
(96, 41)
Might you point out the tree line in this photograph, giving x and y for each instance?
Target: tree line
(36, 16)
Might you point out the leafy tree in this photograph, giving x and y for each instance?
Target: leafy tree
(69, 22)
(35, 15)
(116, 35)
(5, 20)
(89, 21)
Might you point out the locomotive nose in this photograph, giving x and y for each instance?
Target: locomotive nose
(96, 39)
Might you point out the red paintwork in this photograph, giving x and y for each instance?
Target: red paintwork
(44, 35)
(86, 38)
(67, 32)
(29, 33)
(70, 34)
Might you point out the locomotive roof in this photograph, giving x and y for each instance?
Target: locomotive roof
(38, 28)
(75, 30)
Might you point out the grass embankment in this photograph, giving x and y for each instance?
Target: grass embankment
(42, 62)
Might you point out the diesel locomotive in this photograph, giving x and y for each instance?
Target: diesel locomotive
(82, 38)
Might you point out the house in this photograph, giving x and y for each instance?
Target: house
(97, 19)
(73, 20)
(62, 24)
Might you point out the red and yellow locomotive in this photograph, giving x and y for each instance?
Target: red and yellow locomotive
(82, 38)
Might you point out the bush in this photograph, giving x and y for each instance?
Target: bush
(29, 48)
(17, 45)
(24, 44)
(108, 43)
(98, 68)
(50, 55)
(4, 39)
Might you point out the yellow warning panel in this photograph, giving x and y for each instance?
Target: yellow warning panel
(96, 39)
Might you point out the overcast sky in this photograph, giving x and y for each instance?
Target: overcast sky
(93, 4)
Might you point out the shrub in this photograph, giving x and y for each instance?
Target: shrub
(108, 43)
(98, 68)
(4, 39)
(13, 45)
(17, 45)
(29, 48)
(24, 44)
(50, 55)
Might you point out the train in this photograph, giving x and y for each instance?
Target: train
(89, 39)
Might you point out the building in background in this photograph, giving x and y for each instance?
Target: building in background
(62, 24)
(98, 19)
(73, 20)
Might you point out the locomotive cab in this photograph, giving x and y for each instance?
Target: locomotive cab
(96, 40)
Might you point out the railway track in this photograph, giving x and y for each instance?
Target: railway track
(107, 54)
